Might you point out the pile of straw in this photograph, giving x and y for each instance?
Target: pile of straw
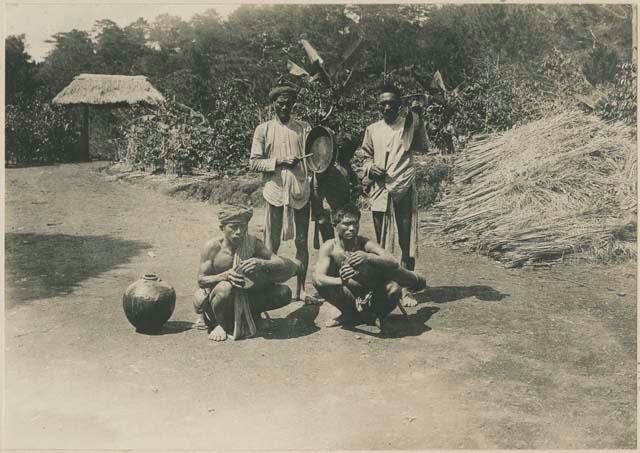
(561, 188)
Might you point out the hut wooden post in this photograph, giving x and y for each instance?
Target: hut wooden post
(84, 135)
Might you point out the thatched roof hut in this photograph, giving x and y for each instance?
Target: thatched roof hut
(106, 90)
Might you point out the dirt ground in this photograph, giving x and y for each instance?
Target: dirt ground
(490, 358)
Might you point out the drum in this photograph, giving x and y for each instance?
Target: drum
(320, 144)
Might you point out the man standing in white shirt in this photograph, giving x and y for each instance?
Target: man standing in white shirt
(277, 147)
(389, 145)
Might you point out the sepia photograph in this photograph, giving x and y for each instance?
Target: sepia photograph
(310, 226)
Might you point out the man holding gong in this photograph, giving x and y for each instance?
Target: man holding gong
(276, 152)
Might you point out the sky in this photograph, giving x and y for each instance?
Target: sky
(38, 20)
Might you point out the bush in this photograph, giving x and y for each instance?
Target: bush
(172, 139)
(622, 96)
(38, 132)
(432, 173)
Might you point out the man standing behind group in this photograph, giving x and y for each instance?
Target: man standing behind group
(389, 145)
(277, 147)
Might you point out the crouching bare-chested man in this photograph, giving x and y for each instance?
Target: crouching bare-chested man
(239, 278)
(358, 276)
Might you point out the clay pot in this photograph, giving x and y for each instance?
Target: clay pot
(148, 303)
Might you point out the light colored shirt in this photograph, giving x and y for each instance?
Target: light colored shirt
(283, 186)
(390, 146)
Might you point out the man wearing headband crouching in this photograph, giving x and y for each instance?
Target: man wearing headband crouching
(277, 148)
(238, 278)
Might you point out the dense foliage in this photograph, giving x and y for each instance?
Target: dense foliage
(622, 101)
(172, 138)
(508, 63)
(37, 132)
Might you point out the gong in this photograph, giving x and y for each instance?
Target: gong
(320, 144)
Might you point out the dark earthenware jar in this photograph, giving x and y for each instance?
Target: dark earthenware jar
(149, 303)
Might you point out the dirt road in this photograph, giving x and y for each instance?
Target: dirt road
(490, 358)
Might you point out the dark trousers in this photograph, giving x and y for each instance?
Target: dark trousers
(404, 215)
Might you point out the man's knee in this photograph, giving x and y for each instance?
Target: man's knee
(326, 291)
(272, 298)
(294, 267)
(283, 293)
(338, 296)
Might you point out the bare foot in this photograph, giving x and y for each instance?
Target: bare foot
(218, 334)
(199, 324)
(408, 300)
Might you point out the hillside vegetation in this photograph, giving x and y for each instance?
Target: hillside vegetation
(510, 63)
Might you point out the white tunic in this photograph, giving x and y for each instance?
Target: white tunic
(384, 143)
(283, 186)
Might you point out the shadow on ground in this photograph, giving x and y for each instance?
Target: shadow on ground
(170, 327)
(47, 265)
(399, 325)
(443, 294)
(298, 323)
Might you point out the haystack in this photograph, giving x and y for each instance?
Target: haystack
(559, 189)
(106, 90)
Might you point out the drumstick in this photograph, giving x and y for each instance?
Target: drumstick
(305, 156)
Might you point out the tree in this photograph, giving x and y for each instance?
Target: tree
(170, 33)
(208, 32)
(112, 52)
(73, 53)
(20, 69)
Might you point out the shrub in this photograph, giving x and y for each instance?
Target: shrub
(38, 132)
(431, 175)
(622, 96)
(172, 139)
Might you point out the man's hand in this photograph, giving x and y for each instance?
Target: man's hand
(235, 279)
(287, 161)
(376, 172)
(357, 259)
(248, 267)
(347, 272)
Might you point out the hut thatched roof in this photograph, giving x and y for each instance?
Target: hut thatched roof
(104, 89)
